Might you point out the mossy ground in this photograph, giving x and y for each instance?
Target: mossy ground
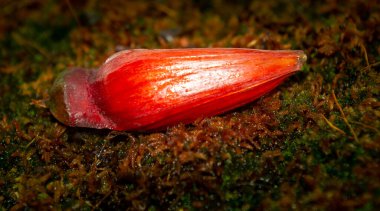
(312, 143)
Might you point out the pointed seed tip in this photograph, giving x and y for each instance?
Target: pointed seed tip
(302, 57)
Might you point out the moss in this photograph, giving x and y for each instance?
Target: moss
(292, 149)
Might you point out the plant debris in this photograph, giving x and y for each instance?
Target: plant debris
(312, 143)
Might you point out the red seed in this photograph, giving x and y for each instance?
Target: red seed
(151, 89)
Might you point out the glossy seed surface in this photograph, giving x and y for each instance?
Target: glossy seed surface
(151, 89)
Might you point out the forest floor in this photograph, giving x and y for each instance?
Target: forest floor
(312, 143)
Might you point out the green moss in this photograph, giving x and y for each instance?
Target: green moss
(276, 153)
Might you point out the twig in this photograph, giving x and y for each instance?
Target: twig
(363, 125)
(365, 54)
(72, 11)
(30, 143)
(102, 199)
(333, 126)
(22, 41)
(371, 65)
(344, 117)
